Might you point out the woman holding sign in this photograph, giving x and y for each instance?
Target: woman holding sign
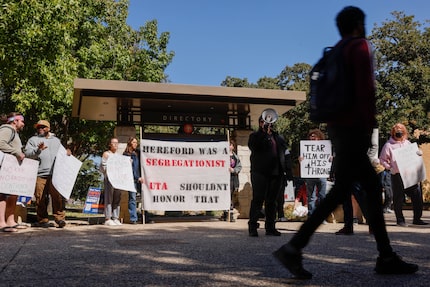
(112, 196)
(399, 139)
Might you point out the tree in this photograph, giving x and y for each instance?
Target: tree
(45, 45)
(403, 73)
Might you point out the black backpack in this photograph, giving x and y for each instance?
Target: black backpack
(330, 87)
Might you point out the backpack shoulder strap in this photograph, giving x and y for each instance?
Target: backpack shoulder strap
(12, 135)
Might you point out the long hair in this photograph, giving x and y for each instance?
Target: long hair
(129, 149)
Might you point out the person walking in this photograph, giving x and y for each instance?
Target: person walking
(44, 147)
(10, 143)
(398, 139)
(267, 172)
(350, 134)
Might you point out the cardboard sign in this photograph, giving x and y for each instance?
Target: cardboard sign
(66, 169)
(18, 178)
(316, 158)
(411, 165)
(120, 173)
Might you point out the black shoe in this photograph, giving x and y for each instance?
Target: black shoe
(394, 265)
(273, 232)
(419, 222)
(43, 224)
(345, 231)
(61, 224)
(402, 224)
(253, 233)
(291, 258)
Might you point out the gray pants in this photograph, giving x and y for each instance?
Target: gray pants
(112, 202)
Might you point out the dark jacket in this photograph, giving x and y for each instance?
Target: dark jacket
(263, 160)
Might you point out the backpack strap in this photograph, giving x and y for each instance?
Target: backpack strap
(12, 135)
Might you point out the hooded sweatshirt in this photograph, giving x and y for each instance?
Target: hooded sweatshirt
(386, 156)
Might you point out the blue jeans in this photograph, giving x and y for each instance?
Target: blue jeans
(316, 191)
(132, 206)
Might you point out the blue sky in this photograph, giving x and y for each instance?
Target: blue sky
(251, 39)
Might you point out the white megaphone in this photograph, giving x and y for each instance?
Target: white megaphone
(269, 116)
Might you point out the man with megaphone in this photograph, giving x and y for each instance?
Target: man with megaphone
(267, 170)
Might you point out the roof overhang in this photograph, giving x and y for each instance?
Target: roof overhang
(105, 100)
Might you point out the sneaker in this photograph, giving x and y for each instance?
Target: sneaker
(325, 222)
(402, 224)
(345, 231)
(291, 258)
(388, 210)
(117, 222)
(282, 219)
(394, 265)
(110, 222)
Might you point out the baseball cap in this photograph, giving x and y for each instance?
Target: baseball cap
(42, 123)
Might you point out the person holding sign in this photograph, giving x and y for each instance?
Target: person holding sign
(133, 153)
(44, 147)
(399, 139)
(267, 171)
(112, 196)
(10, 143)
(315, 187)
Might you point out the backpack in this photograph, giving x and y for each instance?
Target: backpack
(330, 88)
(12, 135)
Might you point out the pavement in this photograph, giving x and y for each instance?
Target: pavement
(202, 252)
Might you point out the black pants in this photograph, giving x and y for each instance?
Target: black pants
(352, 165)
(414, 192)
(265, 189)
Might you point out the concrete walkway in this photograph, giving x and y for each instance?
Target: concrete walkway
(201, 253)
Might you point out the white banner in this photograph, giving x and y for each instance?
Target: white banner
(185, 176)
(411, 166)
(316, 158)
(66, 169)
(120, 172)
(18, 178)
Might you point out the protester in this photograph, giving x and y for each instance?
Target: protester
(234, 169)
(10, 143)
(44, 147)
(112, 196)
(132, 151)
(398, 139)
(267, 171)
(350, 134)
(315, 187)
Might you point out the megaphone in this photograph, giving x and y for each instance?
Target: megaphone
(269, 116)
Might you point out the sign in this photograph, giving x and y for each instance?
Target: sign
(94, 203)
(183, 176)
(120, 173)
(316, 158)
(410, 164)
(66, 169)
(18, 178)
